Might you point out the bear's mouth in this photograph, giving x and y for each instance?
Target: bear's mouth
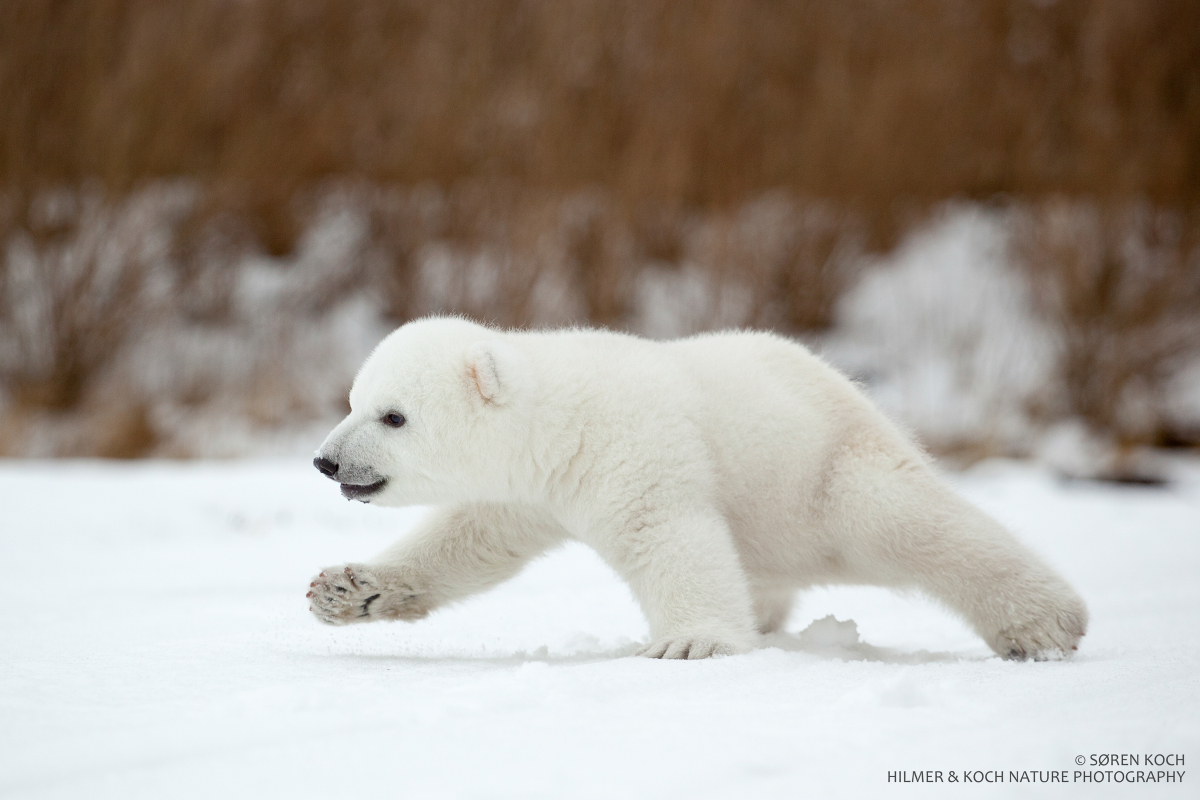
(356, 491)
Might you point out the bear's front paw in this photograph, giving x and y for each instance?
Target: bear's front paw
(358, 593)
(690, 647)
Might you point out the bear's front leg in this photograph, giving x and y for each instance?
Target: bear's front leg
(686, 575)
(361, 593)
(454, 553)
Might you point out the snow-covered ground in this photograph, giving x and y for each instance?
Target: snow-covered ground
(156, 643)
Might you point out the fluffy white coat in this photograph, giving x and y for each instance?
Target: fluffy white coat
(717, 475)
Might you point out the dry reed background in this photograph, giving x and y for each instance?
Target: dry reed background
(195, 198)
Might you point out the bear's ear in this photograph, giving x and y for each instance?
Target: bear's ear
(495, 370)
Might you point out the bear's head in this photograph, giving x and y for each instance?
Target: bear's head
(440, 413)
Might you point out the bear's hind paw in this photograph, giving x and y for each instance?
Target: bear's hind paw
(1052, 639)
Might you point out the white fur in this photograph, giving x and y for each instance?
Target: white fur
(717, 475)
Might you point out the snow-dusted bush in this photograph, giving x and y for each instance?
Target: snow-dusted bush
(1063, 329)
(152, 323)
(946, 336)
(104, 351)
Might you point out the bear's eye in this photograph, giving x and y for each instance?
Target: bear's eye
(393, 419)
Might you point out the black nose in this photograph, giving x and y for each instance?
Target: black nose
(325, 466)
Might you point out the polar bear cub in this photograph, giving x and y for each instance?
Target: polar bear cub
(718, 475)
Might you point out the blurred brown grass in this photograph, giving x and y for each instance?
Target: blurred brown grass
(671, 104)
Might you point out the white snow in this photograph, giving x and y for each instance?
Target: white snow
(157, 643)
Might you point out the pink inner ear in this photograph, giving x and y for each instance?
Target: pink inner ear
(474, 373)
(482, 372)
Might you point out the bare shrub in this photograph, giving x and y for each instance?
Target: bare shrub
(599, 249)
(1121, 283)
(77, 276)
(777, 262)
(504, 253)
(403, 221)
(794, 256)
(517, 256)
(473, 250)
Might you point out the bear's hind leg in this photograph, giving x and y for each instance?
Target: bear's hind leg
(967, 560)
(1018, 604)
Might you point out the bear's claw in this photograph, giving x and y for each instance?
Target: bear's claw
(687, 647)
